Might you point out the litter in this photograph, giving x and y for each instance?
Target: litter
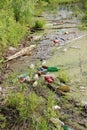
(65, 127)
(66, 32)
(35, 84)
(32, 66)
(24, 78)
(45, 67)
(64, 88)
(49, 79)
(36, 77)
(56, 107)
(52, 69)
(56, 41)
(43, 62)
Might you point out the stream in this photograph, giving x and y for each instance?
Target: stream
(61, 24)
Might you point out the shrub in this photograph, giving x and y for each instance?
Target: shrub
(10, 31)
(39, 24)
(24, 105)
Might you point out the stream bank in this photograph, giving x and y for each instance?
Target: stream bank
(67, 53)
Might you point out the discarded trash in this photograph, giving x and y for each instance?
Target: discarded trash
(43, 62)
(41, 73)
(52, 69)
(35, 84)
(64, 88)
(49, 79)
(66, 32)
(45, 67)
(32, 66)
(56, 107)
(24, 78)
(56, 41)
(36, 77)
(43, 70)
(82, 88)
(65, 127)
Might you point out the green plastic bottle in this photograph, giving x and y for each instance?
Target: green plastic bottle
(65, 127)
(52, 69)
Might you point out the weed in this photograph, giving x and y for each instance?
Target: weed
(24, 105)
(2, 121)
(42, 125)
(39, 24)
(63, 77)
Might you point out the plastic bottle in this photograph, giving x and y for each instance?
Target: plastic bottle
(65, 127)
(52, 69)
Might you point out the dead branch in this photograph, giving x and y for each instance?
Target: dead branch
(24, 51)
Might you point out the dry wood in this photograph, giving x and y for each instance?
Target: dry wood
(24, 51)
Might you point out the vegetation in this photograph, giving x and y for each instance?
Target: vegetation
(28, 106)
(17, 15)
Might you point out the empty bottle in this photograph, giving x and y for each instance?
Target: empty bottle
(52, 69)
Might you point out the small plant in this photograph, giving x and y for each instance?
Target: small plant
(50, 112)
(42, 125)
(25, 105)
(39, 24)
(2, 121)
(63, 77)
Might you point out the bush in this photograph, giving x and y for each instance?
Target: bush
(24, 105)
(39, 24)
(10, 31)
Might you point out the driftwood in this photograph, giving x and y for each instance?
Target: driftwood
(24, 51)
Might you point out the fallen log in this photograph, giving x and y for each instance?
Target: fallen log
(24, 51)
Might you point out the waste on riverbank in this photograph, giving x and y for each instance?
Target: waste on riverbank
(24, 78)
(49, 79)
